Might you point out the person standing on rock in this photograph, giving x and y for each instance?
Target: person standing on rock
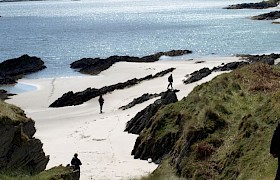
(275, 148)
(170, 80)
(75, 163)
(101, 102)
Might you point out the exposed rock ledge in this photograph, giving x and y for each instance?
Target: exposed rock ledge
(145, 148)
(19, 149)
(259, 5)
(204, 72)
(96, 65)
(70, 98)
(267, 16)
(13, 69)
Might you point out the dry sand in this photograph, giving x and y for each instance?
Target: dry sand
(99, 139)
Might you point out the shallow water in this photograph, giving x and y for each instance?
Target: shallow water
(61, 32)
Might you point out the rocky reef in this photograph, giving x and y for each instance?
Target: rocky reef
(19, 149)
(259, 5)
(94, 66)
(267, 16)
(13, 69)
(70, 98)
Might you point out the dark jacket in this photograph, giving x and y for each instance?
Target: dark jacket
(101, 100)
(275, 142)
(76, 163)
(170, 78)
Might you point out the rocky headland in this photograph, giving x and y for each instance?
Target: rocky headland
(259, 5)
(13, 69)
(267, 16)
(94, 66)
(217, 130)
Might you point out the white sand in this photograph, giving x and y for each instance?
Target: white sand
(99, 139)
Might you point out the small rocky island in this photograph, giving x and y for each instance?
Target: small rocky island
(13, 69)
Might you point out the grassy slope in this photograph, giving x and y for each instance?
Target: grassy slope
(233, 118)
(55, 173)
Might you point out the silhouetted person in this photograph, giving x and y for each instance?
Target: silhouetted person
(75, 163)
(170, 80)
(275, 148)
(101, 102)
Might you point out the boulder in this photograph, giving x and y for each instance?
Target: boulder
(265, 58)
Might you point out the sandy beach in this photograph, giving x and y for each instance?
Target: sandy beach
(99, 139)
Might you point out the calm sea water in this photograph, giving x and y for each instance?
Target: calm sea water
(61, 32)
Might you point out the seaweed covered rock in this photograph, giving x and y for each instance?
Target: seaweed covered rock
(13, 69)
(20, 151)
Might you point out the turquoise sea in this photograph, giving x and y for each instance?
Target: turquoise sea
(61, 32)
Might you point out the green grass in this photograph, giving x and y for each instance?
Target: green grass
(56, 173)
(227, 124)
(10, 114)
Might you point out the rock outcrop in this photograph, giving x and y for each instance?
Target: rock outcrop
(94, 66)
(265, 58)
(19, 149)
(204, 72)
(143, 119)
(197, 75)
(267, 16)
(70, 98)
(141, 99)
(259, 5)
(13, 69)
(147, 147)
(4, 94)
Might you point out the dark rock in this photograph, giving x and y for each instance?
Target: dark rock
(143, 118)
(4, 94)
(259, 5)
(230, 66)
(13, 69)
(70, 98)
(267, 16)
(198, 75)
(269, 59)
(139, 100)
(154, 148)
(19, 149)
(97, 65)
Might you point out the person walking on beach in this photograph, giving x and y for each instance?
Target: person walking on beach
(275, 148)
(101, 102)
(75, 163)
(170, 80)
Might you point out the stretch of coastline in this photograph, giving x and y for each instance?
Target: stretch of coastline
(99, 139)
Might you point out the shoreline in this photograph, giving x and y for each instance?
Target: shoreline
(99, 139)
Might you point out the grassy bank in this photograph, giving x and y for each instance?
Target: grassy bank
(225, 127)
